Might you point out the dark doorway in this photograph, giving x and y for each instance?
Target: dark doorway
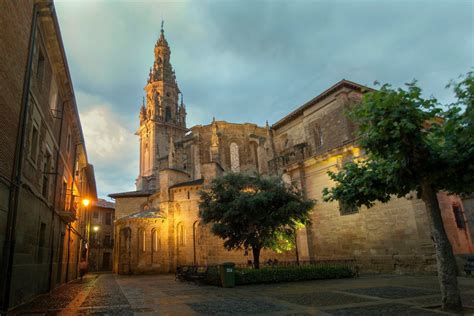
(106, 261)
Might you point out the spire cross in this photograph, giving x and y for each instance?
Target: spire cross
(162, 24)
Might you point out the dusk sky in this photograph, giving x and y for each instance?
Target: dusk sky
(248, 61)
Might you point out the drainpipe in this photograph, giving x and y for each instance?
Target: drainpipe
(10, 238)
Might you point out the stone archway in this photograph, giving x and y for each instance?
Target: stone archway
(124, 255)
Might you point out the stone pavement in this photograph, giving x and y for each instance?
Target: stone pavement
(108, 294)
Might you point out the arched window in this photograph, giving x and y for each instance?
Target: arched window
(155, 240)
(167, 114)
(318, 136)
(234, 158)
(181, 234)
(141, 240)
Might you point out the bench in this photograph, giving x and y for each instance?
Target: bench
(191, 273)
(199, 275)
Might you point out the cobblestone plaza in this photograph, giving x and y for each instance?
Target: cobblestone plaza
(108, 294)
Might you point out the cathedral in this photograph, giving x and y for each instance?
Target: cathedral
(157, 226)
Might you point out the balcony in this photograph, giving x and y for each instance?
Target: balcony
(291, 155)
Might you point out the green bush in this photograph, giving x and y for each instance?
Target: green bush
(292, 273)
(281, 274)
(212, 276)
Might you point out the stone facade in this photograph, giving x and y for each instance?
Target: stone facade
(101, 243)
(157, 226)
(44, 168)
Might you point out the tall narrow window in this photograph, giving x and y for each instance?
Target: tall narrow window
(234, 158)
(141, 240)
(318, 136)
(53, 97)
(458, 216)
(155, 240)
(108, 219)
(46, 171)
(345, 209)
(167, 114)
(34, 142)
(181, 235)
(68, 142)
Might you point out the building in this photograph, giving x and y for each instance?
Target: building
(102, 236)
(157, 226)
(44, 170)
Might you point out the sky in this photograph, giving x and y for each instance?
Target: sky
(248, 61)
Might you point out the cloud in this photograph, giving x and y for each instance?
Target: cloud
(245, 61)
(112, 149)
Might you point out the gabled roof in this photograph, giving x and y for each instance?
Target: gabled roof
(132, 194)
(325, 94)
(103, 204)
(143, 214)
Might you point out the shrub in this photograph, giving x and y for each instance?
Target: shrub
(281, 274)
(292, 273)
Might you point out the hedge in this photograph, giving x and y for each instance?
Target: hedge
(282, 274)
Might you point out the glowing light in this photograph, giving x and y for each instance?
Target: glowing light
(85, 202)
(95, 228)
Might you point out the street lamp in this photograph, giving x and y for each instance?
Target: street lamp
(95, 228)
(85, 202)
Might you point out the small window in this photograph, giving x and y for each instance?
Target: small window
(46, 174)
(155, 240)
(68, 142)
(189, 195)
(62, 197)
(181, 235)
(96, 214)
(34, 142)
(458, 216)
(345, 209)
(107, 219)
(107, 241)
(167, 114)
(318, 136)
(142, 240)
(53, 96)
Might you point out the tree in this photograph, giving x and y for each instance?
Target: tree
(254, 212)
(413, 143)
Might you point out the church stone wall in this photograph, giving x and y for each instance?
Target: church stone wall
(128, 205)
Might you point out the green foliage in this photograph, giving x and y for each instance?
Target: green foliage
(282, 274)
(254, 212)
(409, 140)
(290, 274)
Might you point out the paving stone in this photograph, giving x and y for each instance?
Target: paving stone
(321, 298)
(382, 309)
(57, 299)
(392, 292)
(106, 292)
(235, 307)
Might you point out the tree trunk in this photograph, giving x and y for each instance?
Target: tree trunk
(256, 257)
(446, 263)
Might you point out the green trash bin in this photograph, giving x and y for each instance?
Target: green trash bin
(227, 274)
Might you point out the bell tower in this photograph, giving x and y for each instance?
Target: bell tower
(162, 117)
